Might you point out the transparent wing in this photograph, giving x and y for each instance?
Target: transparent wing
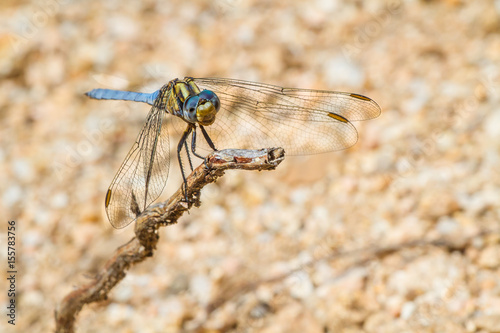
(143, 174)
(256, 115)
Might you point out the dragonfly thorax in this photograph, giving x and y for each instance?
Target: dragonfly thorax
(201, 108)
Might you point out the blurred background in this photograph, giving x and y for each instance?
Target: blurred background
(292, 250)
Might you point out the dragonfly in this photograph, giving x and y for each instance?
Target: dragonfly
(229, 113)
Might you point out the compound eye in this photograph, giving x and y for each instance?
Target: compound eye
(191, 104)
(210, 96)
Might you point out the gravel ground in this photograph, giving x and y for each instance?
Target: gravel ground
(382, 237)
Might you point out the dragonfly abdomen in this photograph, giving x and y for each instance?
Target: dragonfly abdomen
(124, 95)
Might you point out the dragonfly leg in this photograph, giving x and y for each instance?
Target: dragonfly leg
(193, 145)
(182, 141)
(207, 138)
(188, 155)
(205, 135)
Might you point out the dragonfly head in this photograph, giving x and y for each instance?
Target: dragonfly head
(202, 108)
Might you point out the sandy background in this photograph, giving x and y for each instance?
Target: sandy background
(427, 169)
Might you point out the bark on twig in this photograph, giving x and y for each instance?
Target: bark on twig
(146, 228)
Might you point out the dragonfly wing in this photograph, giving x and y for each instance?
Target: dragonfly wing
(255, 115)
(142, 175)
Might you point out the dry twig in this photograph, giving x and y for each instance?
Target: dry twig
(146, 228)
